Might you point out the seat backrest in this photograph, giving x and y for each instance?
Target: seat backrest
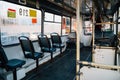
(26, 45)
(44, 42)
(55, 38)
(3, 57)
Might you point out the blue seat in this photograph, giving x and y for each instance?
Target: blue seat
(56, 41)
(28, 49)
(45, 45)
(10, 65)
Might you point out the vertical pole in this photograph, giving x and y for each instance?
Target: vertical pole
(93, 34)
(42, 21)
(78, 39)
(15, 74)
(0, 31)
(61, 24)
(70, 24)
(117, 21)
(116, 43)
(0, 36)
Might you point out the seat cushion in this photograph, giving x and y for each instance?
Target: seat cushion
(15, 63)
(36, 55)
(58, 45)
(48, 50)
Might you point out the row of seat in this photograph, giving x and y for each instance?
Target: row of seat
(29, 51)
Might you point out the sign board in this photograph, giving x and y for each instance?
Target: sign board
(17, 20)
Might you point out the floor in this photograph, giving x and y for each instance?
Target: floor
(62, 68)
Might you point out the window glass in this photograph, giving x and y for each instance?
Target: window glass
(52, 24)
(48, 16)
(52, 27)
(57, 18)
(74, 24)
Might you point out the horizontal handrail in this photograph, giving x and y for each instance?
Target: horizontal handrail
(98, 65)
(104, 47)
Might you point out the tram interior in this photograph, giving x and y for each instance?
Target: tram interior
(96, 40)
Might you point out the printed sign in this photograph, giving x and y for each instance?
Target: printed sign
(17, 20)
(32, 13)
(11, 13)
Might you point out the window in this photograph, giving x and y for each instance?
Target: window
(52, 27)
(57, 18)
(48, 17)
(52, 23)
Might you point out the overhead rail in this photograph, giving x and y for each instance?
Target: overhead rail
(58, 8)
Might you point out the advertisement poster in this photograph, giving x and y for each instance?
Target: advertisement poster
(65, 25)
(16, 20)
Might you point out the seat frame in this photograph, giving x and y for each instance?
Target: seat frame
(45, 45)
(10, 65)
(25, 40)
(56, 41)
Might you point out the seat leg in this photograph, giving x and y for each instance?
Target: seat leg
(60, 51)
(37, 64)
(51, 56)
(15, 74)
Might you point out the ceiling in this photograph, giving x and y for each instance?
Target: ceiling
(60, 7)
(104, 9)
(52, 6)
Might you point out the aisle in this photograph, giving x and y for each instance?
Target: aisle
(62, 68)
